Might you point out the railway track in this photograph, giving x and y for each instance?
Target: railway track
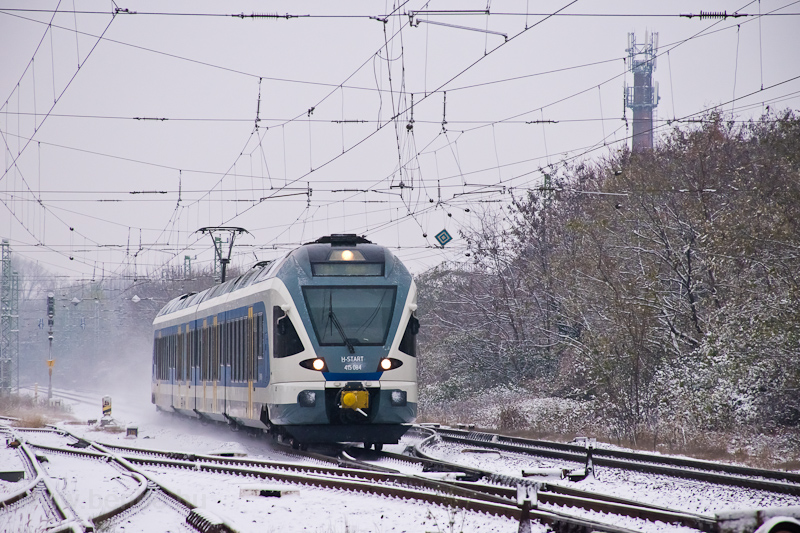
(36, 503)
(350, 474)
(57, 513)
(334, 473)
(744, 478)
(718, 473)
(414, 475)
(544, 495)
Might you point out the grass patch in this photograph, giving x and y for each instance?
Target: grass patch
(32, 412)
(562, 420)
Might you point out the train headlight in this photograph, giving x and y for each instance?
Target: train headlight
(307, 398)
(389, 364)
(346, 255)
(317, 364)
(399, 398)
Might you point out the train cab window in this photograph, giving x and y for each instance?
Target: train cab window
(345, 315)
(286, 340)
(408, 344)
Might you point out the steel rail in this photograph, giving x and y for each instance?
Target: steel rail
(387, 485)
(649, 463)
(195, 514)
(69, 519)
(131, 452)
(505, 486)
(643, 457)
(138, 494)
(558, 495)
(222, 526)
(351, 474)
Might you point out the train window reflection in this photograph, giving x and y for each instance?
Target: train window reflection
(350, 315)
(286, 340)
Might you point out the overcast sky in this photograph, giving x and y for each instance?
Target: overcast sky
(123, 135)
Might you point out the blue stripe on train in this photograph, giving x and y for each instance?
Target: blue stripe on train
(346, 376)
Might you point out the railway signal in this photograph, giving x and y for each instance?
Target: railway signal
(51, 313)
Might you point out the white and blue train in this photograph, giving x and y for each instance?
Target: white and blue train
(318, 346)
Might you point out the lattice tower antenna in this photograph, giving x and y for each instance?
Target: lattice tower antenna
(643, 96)
(9, 323)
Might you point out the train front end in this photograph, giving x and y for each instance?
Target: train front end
(344, 365)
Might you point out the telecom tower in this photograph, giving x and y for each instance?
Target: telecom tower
(643, 97)
(9, 323)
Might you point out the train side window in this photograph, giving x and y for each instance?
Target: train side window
(179, 361)
(214, 352)
(192, 352)
(161, 353)
(250, 354)
(223, 335)
(161, 357)
(408, 344)
(232, 354)
(286, 341)
(156, 360)
(220, 336)
(242, 348)
(260, 335)
(246, 348)
(238, 352)
(196, 348)
(204, 354)
(228, 343)
(187, 354)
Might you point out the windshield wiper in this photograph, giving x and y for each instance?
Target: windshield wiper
(349, 344)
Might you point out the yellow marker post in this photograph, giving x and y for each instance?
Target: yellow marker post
(50, 364)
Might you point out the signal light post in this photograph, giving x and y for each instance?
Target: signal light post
(51, 312)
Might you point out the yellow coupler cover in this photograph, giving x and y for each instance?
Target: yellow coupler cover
(355, 399)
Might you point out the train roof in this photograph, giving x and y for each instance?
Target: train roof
(317, 251)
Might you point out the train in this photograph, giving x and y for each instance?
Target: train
(318, 346)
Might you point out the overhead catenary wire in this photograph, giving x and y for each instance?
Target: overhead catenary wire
(421, 122)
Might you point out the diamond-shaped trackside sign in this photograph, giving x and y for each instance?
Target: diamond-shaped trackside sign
(443, 237)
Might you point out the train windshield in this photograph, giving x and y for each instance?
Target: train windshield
(350, 316)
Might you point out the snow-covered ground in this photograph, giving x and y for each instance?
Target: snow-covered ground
(91, 486)
(664, 491)
(91, 489)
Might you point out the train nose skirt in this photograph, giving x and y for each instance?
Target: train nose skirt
(377, 433)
